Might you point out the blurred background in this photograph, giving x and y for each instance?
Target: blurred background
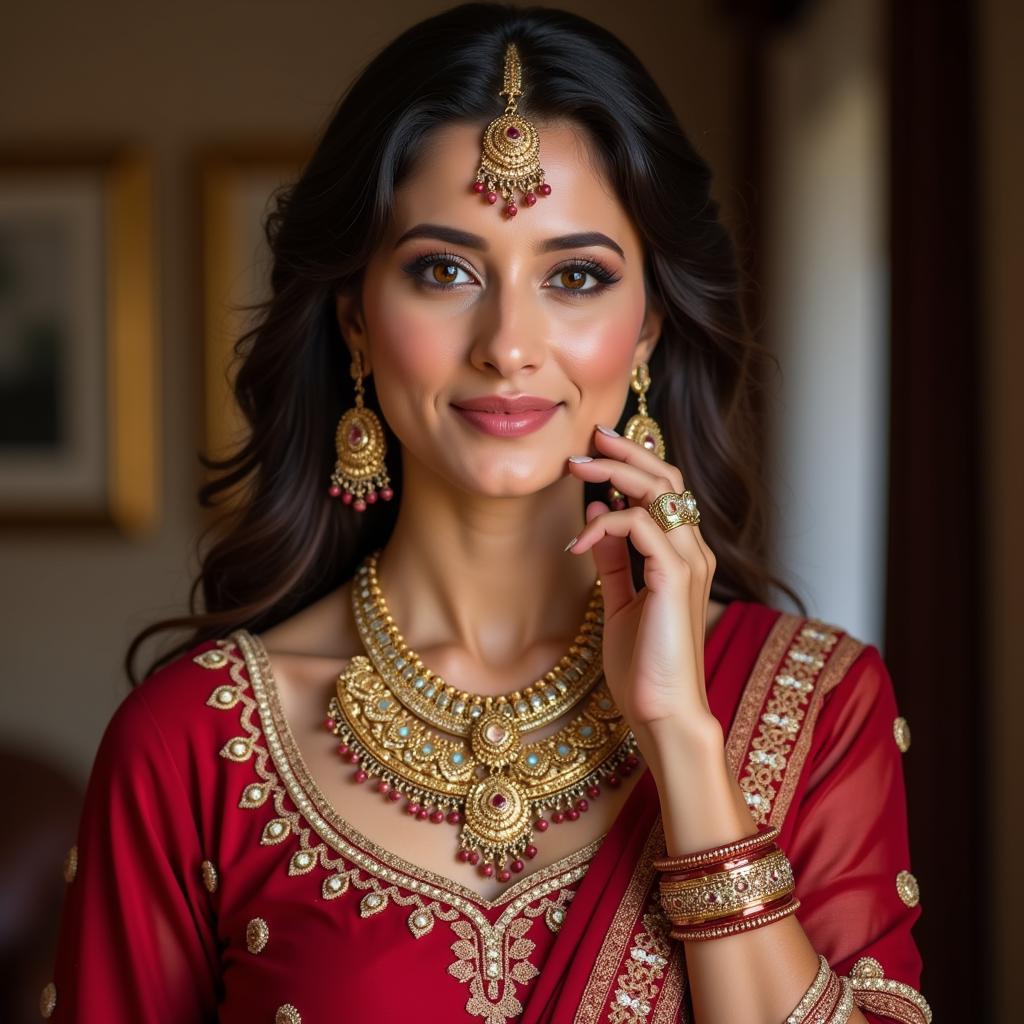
(868, 158)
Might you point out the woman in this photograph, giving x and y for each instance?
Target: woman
(420, 756)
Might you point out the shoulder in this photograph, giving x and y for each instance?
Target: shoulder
(169, 715)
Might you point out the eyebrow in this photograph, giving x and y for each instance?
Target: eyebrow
(458, 237)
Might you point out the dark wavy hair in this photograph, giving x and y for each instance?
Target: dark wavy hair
(282, 543)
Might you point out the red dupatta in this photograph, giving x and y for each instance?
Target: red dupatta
(814, 740)
(214, 882)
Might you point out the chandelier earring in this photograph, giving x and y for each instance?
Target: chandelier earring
(360, 475)
(641, 428)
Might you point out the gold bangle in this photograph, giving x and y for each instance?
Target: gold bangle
(845, 1007)
(813, 994)
(721, 895)
(735, 927)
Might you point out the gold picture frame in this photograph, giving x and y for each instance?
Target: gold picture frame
(236, 185)
(80, 427)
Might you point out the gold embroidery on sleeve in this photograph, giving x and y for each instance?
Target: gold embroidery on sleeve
(213, 658)
(210, 877)
(287, 1014)
(71, 865)
(906, 886)
(896, 1000)
(48, 999)
(901, 733)
(238, 749)
(257, 934)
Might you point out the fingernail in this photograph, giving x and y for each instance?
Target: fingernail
(570, 544)
(580, 458)
(608, 430)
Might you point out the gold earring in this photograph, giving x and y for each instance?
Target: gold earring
(360, 475)
(641, 427)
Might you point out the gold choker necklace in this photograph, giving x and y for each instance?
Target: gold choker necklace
(473, 768)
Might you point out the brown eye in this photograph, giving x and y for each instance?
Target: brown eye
(574, 279)
(444, 273)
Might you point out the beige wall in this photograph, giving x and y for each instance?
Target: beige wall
(1002, 114)
(173, 77)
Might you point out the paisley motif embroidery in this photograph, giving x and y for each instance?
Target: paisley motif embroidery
(896, 1000)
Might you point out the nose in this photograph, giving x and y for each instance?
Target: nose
(509, 335)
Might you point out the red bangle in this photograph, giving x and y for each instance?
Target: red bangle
(766, 835)
(717, 867)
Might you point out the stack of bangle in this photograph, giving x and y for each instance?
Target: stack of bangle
(727, 889)
(829, 1000)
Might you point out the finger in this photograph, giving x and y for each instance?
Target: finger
(620, 447)
(643, 488)
(634, 481)
(611, 559)
(664, 567)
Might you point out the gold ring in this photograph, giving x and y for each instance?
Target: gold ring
(670, 510)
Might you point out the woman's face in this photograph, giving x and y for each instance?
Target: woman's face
(461, 302)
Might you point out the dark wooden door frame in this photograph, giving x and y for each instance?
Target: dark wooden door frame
(935, 595)
(935, 589)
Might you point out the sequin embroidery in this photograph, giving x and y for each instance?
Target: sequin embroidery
(491, 959)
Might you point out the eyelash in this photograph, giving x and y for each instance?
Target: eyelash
(601, 273)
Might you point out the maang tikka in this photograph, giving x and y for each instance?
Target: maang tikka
(360, 475)
(511, 151)
(641, 427)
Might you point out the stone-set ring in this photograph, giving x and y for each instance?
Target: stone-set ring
(670, 510)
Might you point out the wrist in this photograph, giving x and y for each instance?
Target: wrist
(701, 804)
(671, 744)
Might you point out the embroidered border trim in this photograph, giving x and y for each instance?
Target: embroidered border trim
(893, 999)
(638, 985)
(485, 954)
(622, 935)
(800, 662)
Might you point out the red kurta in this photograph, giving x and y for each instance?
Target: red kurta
(214, 883)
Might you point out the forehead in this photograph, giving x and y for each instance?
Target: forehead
(437, 191)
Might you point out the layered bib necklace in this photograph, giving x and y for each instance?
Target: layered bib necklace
(466, 759)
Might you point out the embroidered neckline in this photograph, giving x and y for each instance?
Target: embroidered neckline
(337, 832)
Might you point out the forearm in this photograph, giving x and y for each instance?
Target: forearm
(757, 976)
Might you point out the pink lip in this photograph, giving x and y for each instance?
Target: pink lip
(505, 404)
(499, 424)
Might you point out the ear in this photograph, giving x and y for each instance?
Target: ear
(650, 331)
(352, 324)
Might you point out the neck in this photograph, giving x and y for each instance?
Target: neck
(479, 584)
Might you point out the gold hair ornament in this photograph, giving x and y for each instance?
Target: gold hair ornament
(511, 150)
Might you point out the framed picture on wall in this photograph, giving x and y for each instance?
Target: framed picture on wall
(79, 409)
(237, 186)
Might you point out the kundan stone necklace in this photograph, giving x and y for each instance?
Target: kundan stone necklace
(466, 759)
